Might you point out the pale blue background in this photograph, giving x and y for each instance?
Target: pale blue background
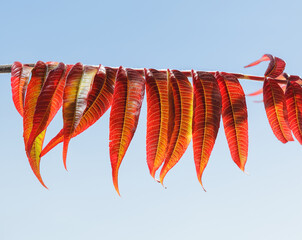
(82, 203)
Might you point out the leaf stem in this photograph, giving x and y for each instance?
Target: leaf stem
(7, 69)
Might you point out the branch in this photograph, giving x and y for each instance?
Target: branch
(7, 69)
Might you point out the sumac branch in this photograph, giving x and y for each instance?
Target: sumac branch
(176, 110)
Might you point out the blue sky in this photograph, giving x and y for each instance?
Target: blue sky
(201, 35)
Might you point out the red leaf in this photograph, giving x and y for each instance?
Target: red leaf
(157, 118)
(180, 119)
(234, 116)
(275, 107)
(206, 118)
(293, 96)
(98, 102)
(127, 101)
(78, 86)
(48, 102)
(275, 67)
(33, 91)
(19, 79)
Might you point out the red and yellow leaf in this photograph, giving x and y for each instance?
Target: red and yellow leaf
(234, 116)
(180, 94)
(275, 107)
(206, 118)
(19, 79)
(127, 101)
(275, 67)
(33, 91)
(293, 96)
(48, 102)
(157, 118)
(78, 86)
(98, 102)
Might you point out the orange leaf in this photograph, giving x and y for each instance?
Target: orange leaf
(98, 102)
(275, 107)
(127, 101)
(206, 118)
(48, 102)
(234, 116)
(19, 79)
(275, 67)
(180, 119)
(157, 118)
(33, 91)
(293, 96)
(78, 86)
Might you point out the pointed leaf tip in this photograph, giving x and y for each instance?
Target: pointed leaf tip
(127, 101)
(157, 118)
(180, 94)
(206, 118)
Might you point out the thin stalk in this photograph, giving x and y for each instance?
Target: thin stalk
(187, 73)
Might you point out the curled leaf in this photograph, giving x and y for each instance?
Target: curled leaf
(206, 118)
(275, 67)
(19, 80)
(180, 94)
(127, 101)
(157, 118)
(234, 116)
(275, 107)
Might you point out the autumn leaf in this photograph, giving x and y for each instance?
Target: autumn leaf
(293, 96)
(275, 67)
(98, 102)
(157, 118)
(234, 116)
(19, 80)
(48, 103)
(180, 94)
(275, 107)
(78, 86)
(32, 94)
(206, 118)
(127, 101)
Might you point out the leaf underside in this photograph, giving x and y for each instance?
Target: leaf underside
(78, 86)
(180, 94)
(234, 116)
(206, 118)
(33, 90)
(157, 118)
(275, 107)
(293, 96)
(127, 101)
(19, 80)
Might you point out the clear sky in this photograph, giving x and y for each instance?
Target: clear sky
(203, 35)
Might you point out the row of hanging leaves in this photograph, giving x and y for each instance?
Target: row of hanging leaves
(176, 111)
